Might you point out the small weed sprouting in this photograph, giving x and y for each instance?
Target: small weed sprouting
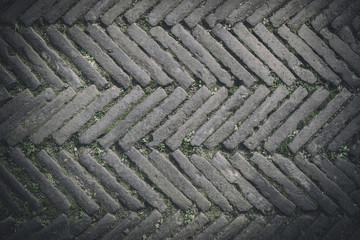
(29, 148)
(188, 216)
(342, 152)
(157, 225)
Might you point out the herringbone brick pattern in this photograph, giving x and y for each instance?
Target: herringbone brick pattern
(180, 119)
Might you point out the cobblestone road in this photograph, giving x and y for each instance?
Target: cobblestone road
(180, 119)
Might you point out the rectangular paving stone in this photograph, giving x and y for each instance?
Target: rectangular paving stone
(198, 223)
(201, 181)
(279, 115)
(4, 95)
(294, 173)
(15, 10)
(309, 56)
(263, 11)
(320, 119)
(74, 190)
(176, 120)
(256, 118)
(52, 58)
(265, 188)
(13, 105)
(78, 121)
(347, 133)
(153, 119)
(197, 118)
(317, 225)
(76, 228)
(159, 12)
(220, 116)
(306, 13)
(247, 189)
(274, 173)
(129, 222)
(179, 181)
(40, 116)
(158, 179)
(168, 227)
(143, 228)
(233, 196)
(64, 45)
(137, 11)
(349, 37)
(51, 230)
(184, 56)
(86, 180)
(202, 55)
(349, 169)
(211, 231)
(134, 116)
(165, 59)
(35, 11)
(81, 100)
(9, 179)
(130, 177)
(341, 48)
(228, 127)
(18, 67)
(118, 55)
(104, 60)
(287, 11)
(26, 110)
(29, 227)
(115, 112)
(6, 226)
(346, 16)
(310, 105)
(355, 195)
(297, 226)
(240, 50)
(243, 11)
(181, 11)
(115, 11)
(263, 53)
(97, 10)
(334, 174)
(36, 176)
(283, 53)
(233, 229)
(200, 12)
(321, 48)
(77, 11)
(37, 64)
(8, 202)
(335, 8)
(57, 10)
(138, 56)
(99, 229)
(5, 77)
(329, 132)
(221, 12)
(339, 229)
(252, 230)
(122, 194)
(271, 228)
(223, 55)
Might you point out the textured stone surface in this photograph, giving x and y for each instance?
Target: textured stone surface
(179, 119)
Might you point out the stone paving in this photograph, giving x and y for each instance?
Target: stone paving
(179, 119)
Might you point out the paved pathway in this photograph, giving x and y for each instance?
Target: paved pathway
(181, 119)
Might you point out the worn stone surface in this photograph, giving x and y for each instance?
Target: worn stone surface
(179, 119)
